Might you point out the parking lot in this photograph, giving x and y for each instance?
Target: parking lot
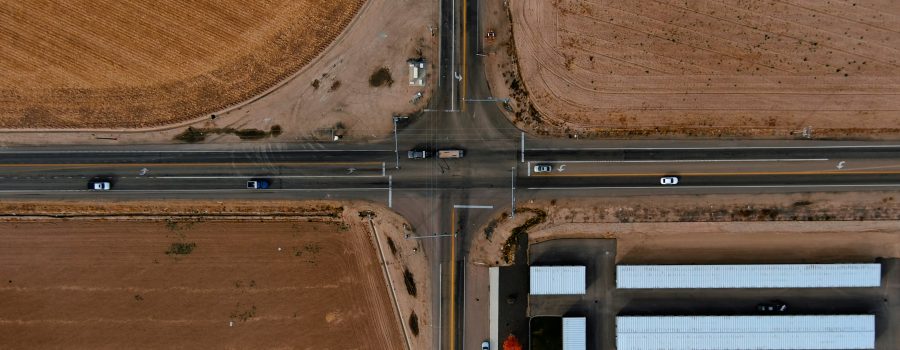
(602, 302)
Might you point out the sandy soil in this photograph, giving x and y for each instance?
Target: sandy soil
(110, 284)
(110, 64)
(708, 228)
(406, 255)
(731, 242)
(384, 34)
(792, 69)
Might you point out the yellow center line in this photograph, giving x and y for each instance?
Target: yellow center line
(452, 278)
(748, 173)
(174, 165)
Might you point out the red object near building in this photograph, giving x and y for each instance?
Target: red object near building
(511, 343)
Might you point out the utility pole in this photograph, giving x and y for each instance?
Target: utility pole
(512, 194)
(396, 151)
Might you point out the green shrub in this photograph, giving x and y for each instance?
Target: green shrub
(410, 282)
(181, 248)
(251, 134)
(191, 135)
(381, 77)
(275, 131)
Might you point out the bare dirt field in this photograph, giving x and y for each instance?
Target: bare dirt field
(331, 94)
(114, 64)
(709, 228)
(191, 275)
(776, 69)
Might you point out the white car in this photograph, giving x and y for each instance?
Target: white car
(485, 345)
(543, 168)
(668, 180)
(100, 186)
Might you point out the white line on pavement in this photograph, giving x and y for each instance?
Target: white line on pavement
(714, 186)
(196, 151)
(245, 177)
(212, 190)
(686, 161)
(712, 148)
(523, 147)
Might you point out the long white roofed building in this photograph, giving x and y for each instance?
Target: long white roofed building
(748, 276)
(745, 332)
(557, 280)
(574, 333)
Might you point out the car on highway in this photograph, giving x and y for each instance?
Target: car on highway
(485, 345)
(668, 180)
(100, 185)
(418, 154)
(258, 184)
(543, 168)
(772, 307)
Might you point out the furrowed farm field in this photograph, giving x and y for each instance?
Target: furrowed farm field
(253, 284)
(138, 64)
(776, 69)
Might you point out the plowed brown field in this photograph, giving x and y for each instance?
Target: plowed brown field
(91, 284)
(131, 64)
(801, 68)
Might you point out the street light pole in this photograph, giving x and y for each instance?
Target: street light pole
(409, 236)
(396, 151)
(512, 193)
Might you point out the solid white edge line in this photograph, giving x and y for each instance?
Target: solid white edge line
(711, 186)
(262, 176)
(197, 151)
(210, 190)
(716, 148)
(687, 161)
(523, 147)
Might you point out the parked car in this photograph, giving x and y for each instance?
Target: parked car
(543, 168)
(668, 180)
(258, 184)
(485, 345)
(100, 185)
(773, 306)
(418, 154)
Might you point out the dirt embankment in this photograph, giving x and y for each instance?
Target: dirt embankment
(233, 274)
(710, 228)
(623, 69)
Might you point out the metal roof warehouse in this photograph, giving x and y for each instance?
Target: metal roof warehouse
(574, 333)
(748, 276)
(745, 332)
(557, 280)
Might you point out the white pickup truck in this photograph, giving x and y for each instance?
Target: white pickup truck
(418, 154)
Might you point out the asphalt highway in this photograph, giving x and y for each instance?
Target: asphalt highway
(437, 195)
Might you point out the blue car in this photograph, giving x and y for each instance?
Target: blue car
(258, 184)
